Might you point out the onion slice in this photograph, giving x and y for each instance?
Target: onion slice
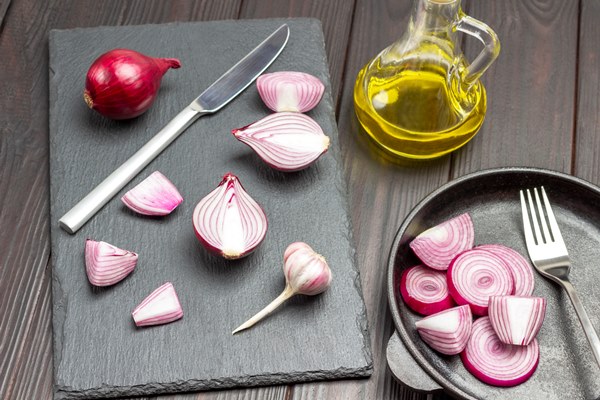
(520, 268)
(517, 319)
(228, 222)
(496, 363)
(286, 141)
(447, 331)
(155, 195)
(425, 290)
(290, 91)
(437, 246)
(160, 307)
(475, 275)
(106, 264)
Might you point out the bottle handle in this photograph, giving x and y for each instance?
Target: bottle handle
(491, 47)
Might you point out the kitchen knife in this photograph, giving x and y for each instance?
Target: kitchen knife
(217, 95)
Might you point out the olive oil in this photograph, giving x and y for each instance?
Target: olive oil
(420, 97)
(418, 114)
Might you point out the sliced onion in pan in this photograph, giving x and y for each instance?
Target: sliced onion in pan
(517, 319)
(519, 267)
(447, 331)
(475, 275)
(437, 246)
(425, 290)
(494, 362)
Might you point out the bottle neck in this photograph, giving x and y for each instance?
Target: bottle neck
(435, 17)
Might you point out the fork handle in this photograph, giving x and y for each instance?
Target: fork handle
(588, 328)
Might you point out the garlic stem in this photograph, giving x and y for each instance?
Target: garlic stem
(286, 294)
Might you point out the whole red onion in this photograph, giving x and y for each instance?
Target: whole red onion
(123, 83)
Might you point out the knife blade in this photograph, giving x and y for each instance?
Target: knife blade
(211, 100)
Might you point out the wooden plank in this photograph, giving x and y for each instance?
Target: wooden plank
(530, 87)
(587, 141)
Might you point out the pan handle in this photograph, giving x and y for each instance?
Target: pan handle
(406, 370)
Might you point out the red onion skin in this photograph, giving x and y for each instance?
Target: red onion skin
(476, 372)
(122, 83)
(419, 306)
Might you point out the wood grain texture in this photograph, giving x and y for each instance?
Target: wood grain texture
(587, 140)
(530, 87)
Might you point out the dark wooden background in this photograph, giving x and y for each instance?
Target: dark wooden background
(543, 111)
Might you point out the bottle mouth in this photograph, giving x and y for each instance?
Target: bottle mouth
(442, 1)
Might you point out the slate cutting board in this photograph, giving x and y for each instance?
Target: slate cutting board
(98, 351)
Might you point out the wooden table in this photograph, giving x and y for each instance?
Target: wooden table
(543, 111)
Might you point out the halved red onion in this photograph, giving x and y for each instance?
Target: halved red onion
(517, 319)
(496, 363)
(447, 331)
(520, 268)
(106, 264)
(437, 246)
(290, 91)
(160, 307)
(228, 222)
(475, 275)
(425, 290)
(155, 195)
(286, 141)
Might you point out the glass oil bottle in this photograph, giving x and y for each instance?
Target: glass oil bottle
(420, 98)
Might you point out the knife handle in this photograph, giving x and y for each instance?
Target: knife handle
(77, 216)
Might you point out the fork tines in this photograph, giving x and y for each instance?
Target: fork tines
(543, 217)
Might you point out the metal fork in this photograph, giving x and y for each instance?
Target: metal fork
(549, 255)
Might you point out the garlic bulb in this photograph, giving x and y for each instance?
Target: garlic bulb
(306, 272)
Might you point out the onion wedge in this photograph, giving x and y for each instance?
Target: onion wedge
(160, 307)
(106, 264)
(437, 246)
(447, 331)
(496, 363)
(290, 91)
(425, 290)
(516, 319)
(475, 275)
(155, 196)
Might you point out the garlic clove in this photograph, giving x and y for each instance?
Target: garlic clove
(160, 307)
(155, 196)
(106, 264)
(306, 272)
(290, 91)
(229, 222)
(286, 141)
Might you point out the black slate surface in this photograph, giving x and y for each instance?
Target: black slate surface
(98, 351)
